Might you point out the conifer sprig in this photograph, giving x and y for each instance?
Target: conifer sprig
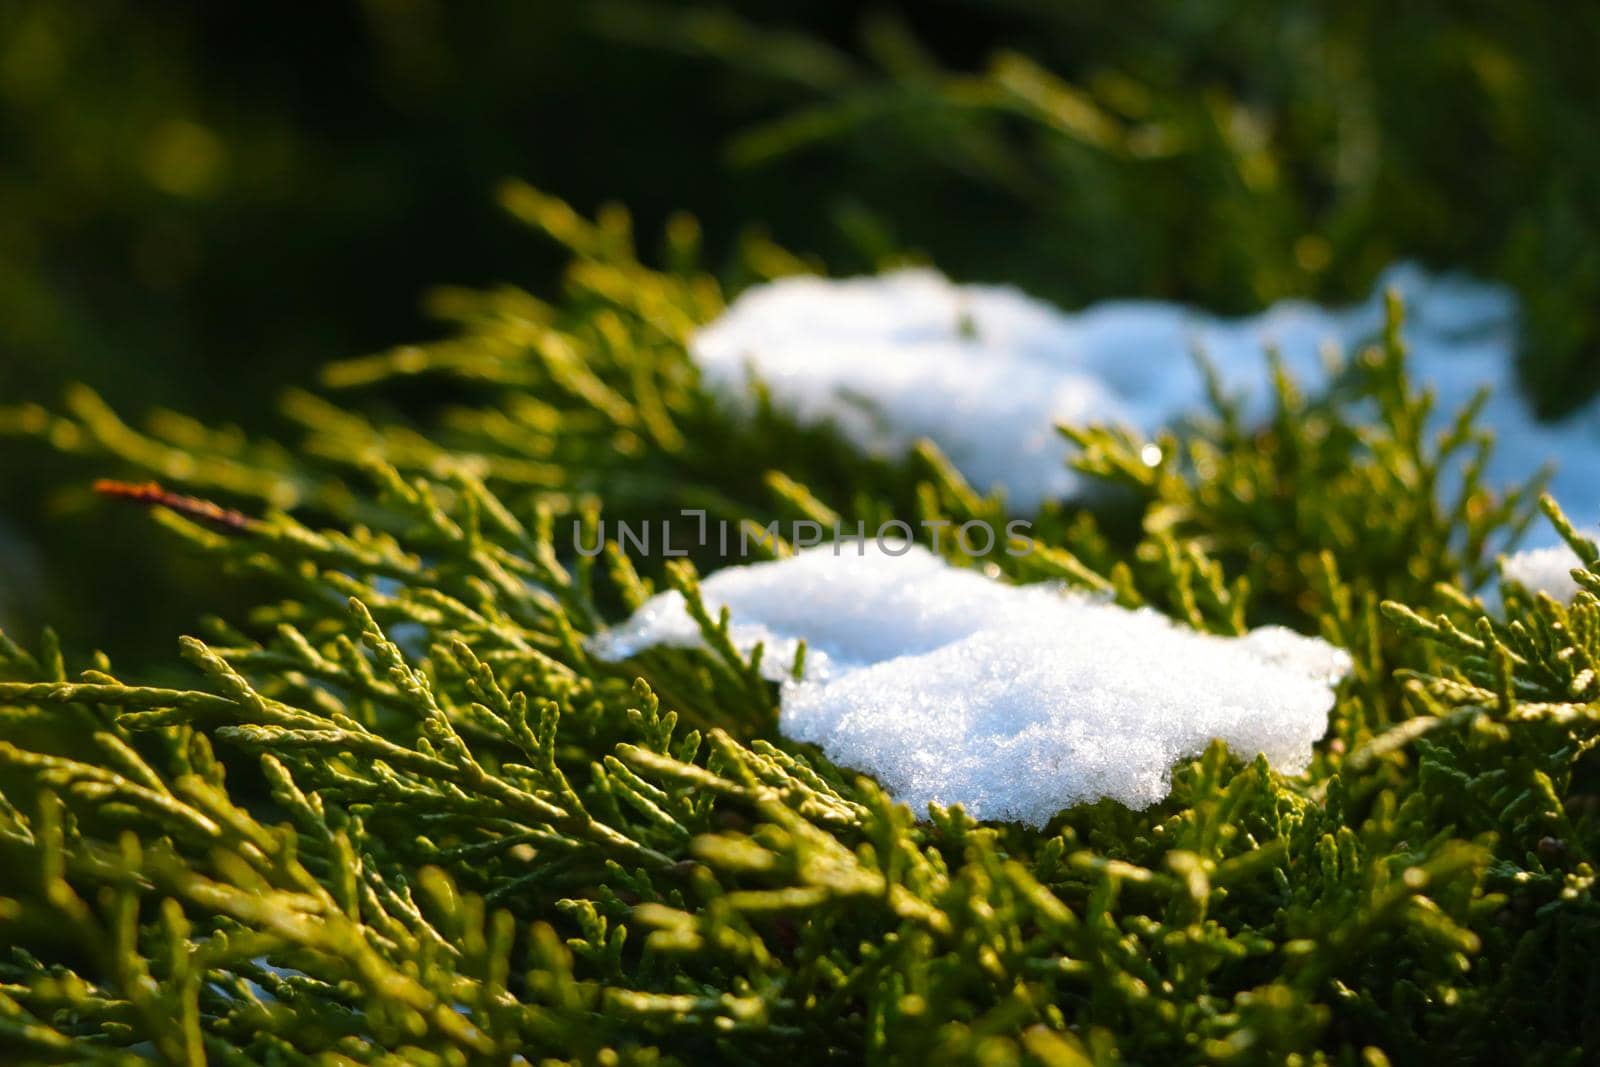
(401, 815)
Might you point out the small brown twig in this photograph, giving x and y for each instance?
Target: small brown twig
(151, 494)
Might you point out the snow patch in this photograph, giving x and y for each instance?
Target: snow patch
(1546, 570)
(1013, 701)
(987, 372)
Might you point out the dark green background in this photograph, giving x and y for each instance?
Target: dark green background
(200, 203)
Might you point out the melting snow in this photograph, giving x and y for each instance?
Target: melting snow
(1014, 701)
(987, 372)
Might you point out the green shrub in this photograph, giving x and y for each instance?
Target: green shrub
(398, 814)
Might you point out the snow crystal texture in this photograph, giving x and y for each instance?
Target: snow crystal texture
(987, 372)
(1013, 701)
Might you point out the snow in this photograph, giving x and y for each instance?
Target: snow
(986, 372)
(1014, 701)
(1546, 570)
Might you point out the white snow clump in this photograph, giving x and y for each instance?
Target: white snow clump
(987, 372)
(1546, 570)
(1013, 701)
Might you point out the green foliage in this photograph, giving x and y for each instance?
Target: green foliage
(399, 815)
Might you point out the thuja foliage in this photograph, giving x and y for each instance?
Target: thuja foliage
(398, 814)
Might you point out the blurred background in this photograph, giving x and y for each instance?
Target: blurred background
(199, 203)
